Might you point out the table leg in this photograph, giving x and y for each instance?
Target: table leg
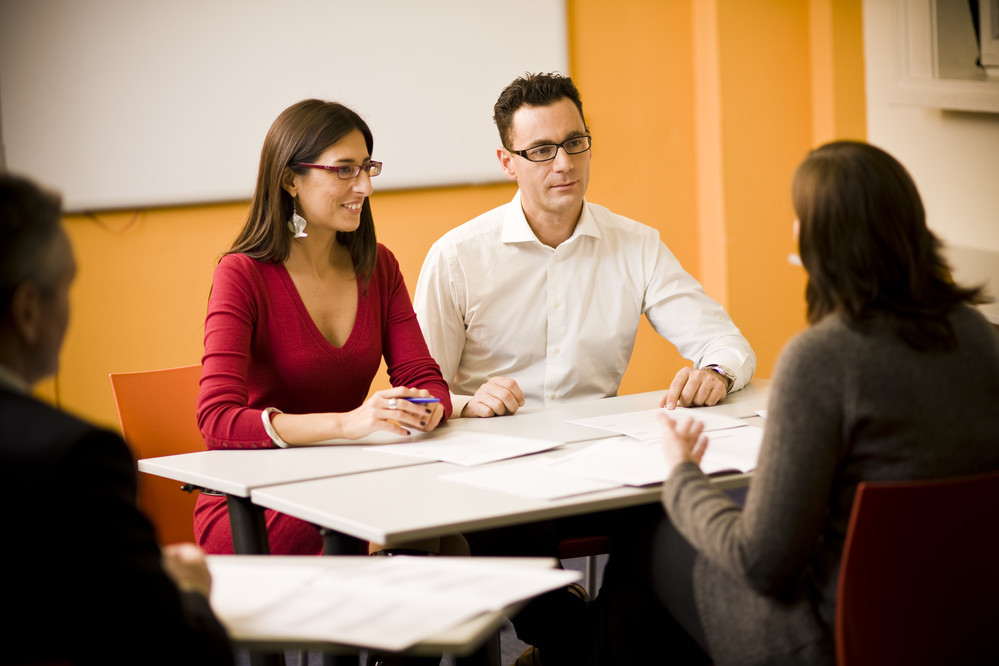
(249, 531)
(249, 537)
(338, 543)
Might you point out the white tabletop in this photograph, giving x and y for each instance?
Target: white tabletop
(239, 471)
(393, 506)
(549, 422)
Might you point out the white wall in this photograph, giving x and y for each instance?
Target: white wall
(952, 155)
(133, 103)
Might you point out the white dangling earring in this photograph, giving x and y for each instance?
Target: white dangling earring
(297, 223)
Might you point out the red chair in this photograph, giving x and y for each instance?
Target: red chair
(919, 580)
(157, 414)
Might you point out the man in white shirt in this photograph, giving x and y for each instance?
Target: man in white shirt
(539, 300)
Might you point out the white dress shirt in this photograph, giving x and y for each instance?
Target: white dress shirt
(493, 300)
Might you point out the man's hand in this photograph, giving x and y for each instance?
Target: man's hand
(693, 388)
(185, 564)
(498, 396)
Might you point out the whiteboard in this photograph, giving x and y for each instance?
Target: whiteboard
(139, 103)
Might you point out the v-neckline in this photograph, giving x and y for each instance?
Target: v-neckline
(303, 312)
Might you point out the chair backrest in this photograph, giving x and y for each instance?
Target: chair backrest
(919, 582)
(157, 410)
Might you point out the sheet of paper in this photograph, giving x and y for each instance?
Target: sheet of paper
(621, 460)
(470, 448)
(383, 603)
(530, 478)
(736, 448)
(646, 424)
(631, 462)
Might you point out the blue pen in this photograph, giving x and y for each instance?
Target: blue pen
(423, 401)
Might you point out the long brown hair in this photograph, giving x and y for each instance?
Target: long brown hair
(301, 133)
(865, 244)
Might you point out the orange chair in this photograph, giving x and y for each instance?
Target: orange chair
(157, 414)
(919, 580)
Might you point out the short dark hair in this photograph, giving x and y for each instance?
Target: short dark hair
(29, 222)
(864, 241)
(301, 133)
(532, 90)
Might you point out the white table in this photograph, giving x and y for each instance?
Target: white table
(239, 471)
(236, 473)
(393, 506)
(301, 481)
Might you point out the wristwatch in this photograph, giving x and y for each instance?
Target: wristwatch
(726, 375)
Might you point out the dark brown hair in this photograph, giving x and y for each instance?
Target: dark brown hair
(865, 244)
(301, 133)
(532, 90)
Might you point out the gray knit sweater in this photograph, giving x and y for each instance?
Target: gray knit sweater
(844, 407)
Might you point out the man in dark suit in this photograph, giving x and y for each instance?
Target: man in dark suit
(85, 581)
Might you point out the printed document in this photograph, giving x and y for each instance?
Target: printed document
(381, 603)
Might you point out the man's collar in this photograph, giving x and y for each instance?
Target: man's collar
(517, 230)
(12, 381)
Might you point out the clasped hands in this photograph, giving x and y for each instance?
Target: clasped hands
(498, 396)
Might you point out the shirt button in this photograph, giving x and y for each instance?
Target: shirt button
(555, 352)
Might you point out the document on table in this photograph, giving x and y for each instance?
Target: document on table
(631, 462)
(382, 603)
(470, 448)
(610, 463)
(646, 424)
(533, 477)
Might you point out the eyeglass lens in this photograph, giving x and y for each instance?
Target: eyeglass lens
(349, 171)
(573, 146)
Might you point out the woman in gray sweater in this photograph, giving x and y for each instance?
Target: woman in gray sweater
(896, 379)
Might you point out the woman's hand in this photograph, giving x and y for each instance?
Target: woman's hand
(683, 441)
(389, 410)
(435, 412)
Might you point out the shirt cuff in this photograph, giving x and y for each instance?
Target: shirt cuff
(458, 403)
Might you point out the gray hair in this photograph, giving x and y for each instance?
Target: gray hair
(29, 223)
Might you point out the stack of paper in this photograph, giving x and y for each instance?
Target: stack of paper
(381, 603)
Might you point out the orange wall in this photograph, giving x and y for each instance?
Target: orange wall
(700, 110)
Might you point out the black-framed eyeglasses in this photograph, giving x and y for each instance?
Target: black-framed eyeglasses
(548, 151)
(347, 171)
